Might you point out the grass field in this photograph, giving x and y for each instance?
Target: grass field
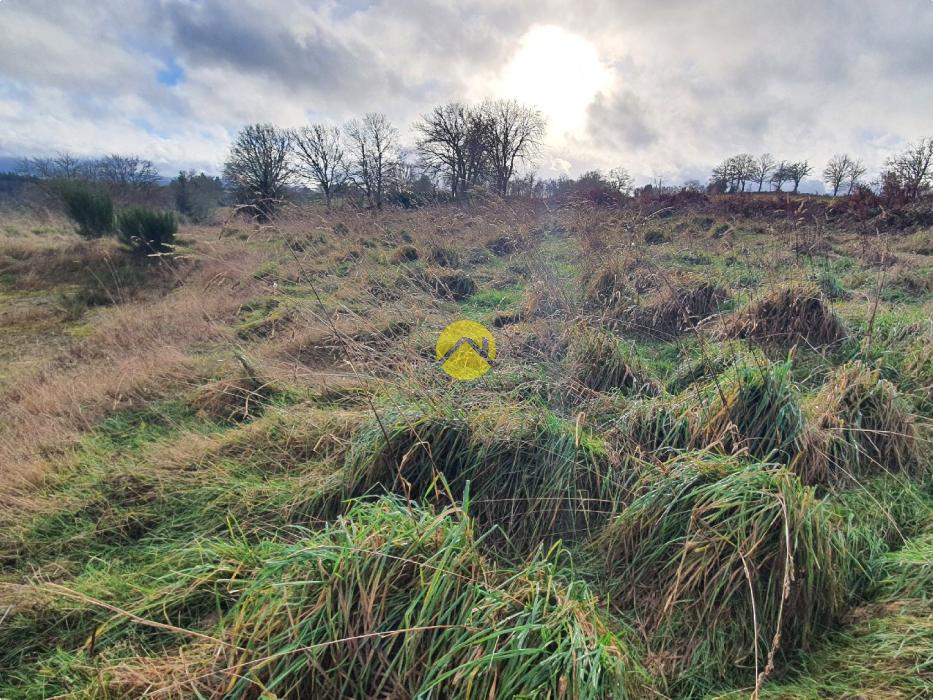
(698, 468)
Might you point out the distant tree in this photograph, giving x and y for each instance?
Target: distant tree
(798, 171)
(373, 145)
(125, 173)
(912, 169)
(513, 135)
(856, 171)
(321, 158)
(762, 169)
(620, 180)
(693, 186)
(62, 166)
(258, 168)
(735, 172)
(836, 171)
(196, 195)
(451, 142)
(780, 175)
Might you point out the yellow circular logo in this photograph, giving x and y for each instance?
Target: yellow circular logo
(465, 350)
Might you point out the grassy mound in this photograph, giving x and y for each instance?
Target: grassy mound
(655, 427)
(860, 425)
(600, 361)
(529, 475)
(390, 602)
(785, 317)
(605, 287)
(681, 307)
(726, 565)
(752, 407)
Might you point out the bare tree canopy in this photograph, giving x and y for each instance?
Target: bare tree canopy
(836, 171)
(451, 141)
(797, 172)
(762, 169)
(856, 171)
(373, 152)
(321, 158)
(258, 168)
(513, 134)
(734, 174)
(912, 170)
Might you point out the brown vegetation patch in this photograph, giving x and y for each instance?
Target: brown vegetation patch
(786, 317)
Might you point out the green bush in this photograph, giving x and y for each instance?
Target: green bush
(146, 232)
(90, 210)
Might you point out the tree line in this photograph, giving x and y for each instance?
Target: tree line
(906, 175)
(459, 147)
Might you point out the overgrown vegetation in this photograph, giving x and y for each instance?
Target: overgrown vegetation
(689, 472)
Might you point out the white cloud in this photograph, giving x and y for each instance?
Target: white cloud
(661, 88)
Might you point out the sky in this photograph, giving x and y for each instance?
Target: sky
(664, 89)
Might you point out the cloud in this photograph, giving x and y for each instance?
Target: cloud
(686, 84)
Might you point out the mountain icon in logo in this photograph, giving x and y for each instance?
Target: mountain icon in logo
(465, 349)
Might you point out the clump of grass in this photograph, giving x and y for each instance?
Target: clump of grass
(727, 565)
(262, 317)
(405, 253)
(708, 362)
(442, 256)
(531, 477)
(605, 287)
(656, 427)
(600, 361)
(391, 601)
(234, 399)
(502, 245)
(681, 307)
(786, 317)
(753, 407)
(860, 425)
(454, 284)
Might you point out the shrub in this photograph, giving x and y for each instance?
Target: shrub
(146, 232)
(90, 210)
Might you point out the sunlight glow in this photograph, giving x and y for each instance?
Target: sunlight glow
(559, 72)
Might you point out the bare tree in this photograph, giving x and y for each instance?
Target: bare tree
(733, 174)
(451, 142)
(797, 172)
(762, 169)
(620, 180)
(780, 175)
(320, 155)
(513, 134)
(62, 166)
(912, 169)
(373, 152)
(126, 171)
(258, 167)
(856, 171)
(836, 171)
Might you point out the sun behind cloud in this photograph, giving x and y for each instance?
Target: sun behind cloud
(559, 72)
